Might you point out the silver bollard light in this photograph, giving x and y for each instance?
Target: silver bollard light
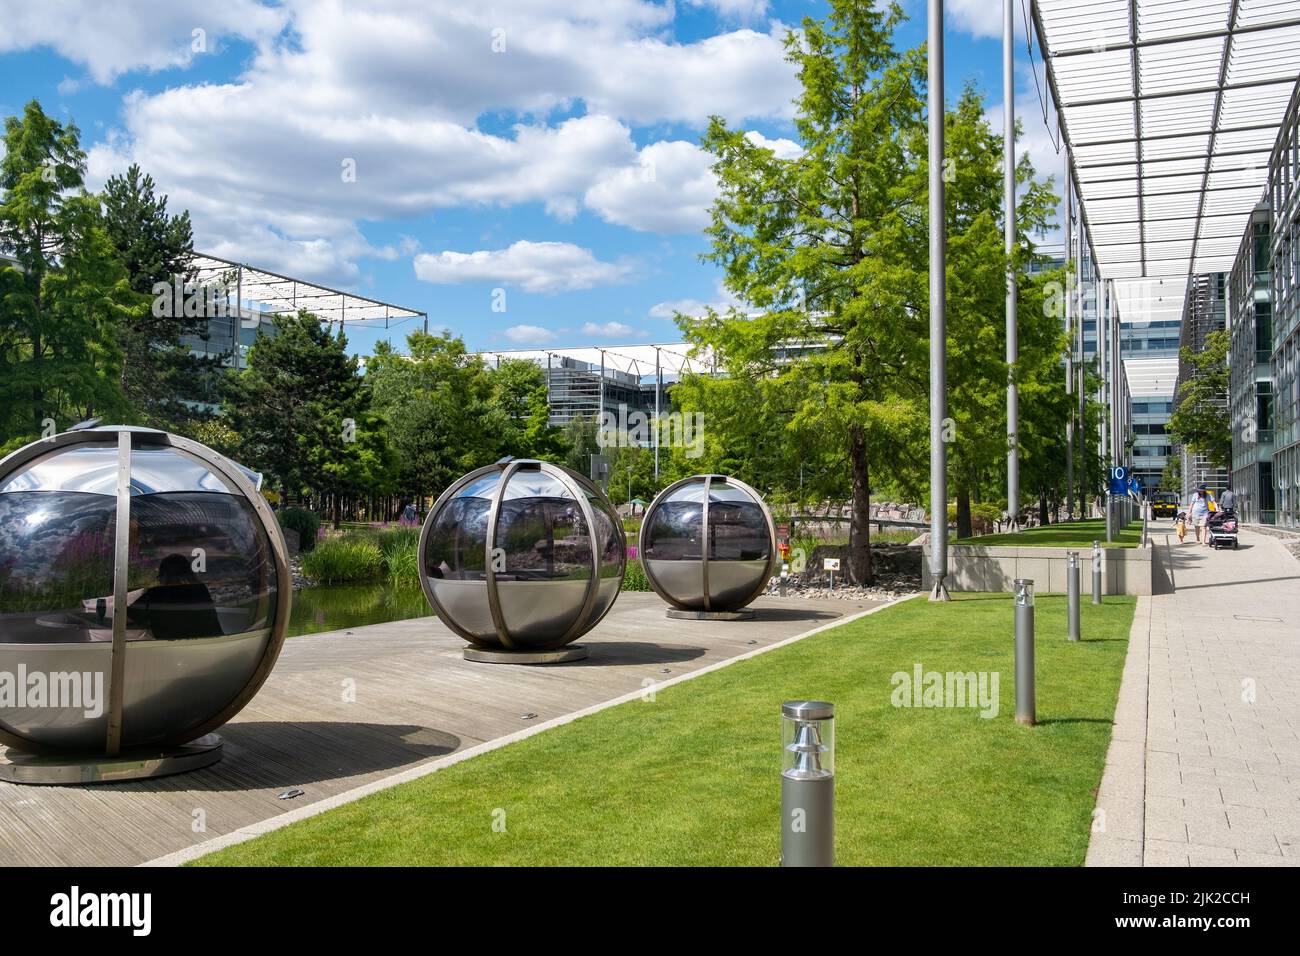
(1072, 575)
(1025, 704)
(807, 783)
(1096, 572)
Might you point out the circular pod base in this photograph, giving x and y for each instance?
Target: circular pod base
(138, 763)
(560, 655)
(744, 614)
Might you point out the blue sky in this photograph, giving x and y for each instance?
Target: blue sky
(542, 147)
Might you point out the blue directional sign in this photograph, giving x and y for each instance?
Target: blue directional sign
(1119, 478)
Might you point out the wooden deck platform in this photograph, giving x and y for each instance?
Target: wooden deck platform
(346, 708)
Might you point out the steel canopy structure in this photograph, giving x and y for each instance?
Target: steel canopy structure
(1169, 110)
(638, 360)
(280, 294)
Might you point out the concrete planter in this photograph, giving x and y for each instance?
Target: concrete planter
(975, 568)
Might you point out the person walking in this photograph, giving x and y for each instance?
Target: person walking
(1228, 500)
(1198, 511)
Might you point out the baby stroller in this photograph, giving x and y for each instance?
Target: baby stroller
(1222, 526)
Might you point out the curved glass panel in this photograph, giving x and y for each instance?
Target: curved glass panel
(737, 526)
(56, 567)
(87, 468)
(200, 566)
(676, 526)
(544, 560)
(455, 558)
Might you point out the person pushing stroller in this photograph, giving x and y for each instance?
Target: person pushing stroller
(1198, 513)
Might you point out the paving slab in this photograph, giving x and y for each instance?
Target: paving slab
(1216, 663)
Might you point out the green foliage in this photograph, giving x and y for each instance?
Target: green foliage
(401, 550)
(305, 522)
(344, 559)
(634, 578)
(828, 253)
(156, 247)
(62, 305)
(301, 411)
(519, 395)
(581, 440)
(437, 410)
(1201, 420)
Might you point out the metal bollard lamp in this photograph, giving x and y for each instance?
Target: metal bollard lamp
(807, 783)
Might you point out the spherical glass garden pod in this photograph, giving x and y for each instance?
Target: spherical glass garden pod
(719, 579)
(144, 597)
(522, 558)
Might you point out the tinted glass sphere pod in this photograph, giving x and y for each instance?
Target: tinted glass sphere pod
(522, 555)
(708, 544)
(144, 592)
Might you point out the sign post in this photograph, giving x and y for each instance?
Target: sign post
(832, 565)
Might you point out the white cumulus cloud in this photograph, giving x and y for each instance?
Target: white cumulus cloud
(545, 267)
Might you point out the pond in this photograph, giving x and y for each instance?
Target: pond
(342, 606)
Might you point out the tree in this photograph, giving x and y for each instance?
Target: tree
(301, 412)
(581, 441)
(828, 252)
(155, 247)
(1201, 421)
(436, 404)
(519, 394)
(631, 473)
(823, 250)
(61, 305)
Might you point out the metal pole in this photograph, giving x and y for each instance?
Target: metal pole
(1072, 575)
(659, 387)
(807, 783)
(1096, 572)
(1025, 703)
(1069, 355)
(121, 569)
(938, 323)
(1083, 370)
(1009, 238)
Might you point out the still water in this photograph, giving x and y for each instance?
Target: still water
(335, 607)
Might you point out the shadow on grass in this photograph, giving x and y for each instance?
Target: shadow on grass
(1073, 720)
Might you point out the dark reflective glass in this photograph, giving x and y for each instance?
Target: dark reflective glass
(200, 566)
(56, 567)
(609, 532)
(737, 526)
(675, 529)
(455, 549)
(543, 539)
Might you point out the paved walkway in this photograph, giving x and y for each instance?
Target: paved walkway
(1204, 765)
(345, 712)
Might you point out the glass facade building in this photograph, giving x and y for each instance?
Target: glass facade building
(1250, 391)
(1284, 209)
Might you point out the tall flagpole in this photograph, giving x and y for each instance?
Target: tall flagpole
(1009, 234)
(938, 323)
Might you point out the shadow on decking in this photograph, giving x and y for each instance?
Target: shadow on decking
(617, 653)
(262, 754)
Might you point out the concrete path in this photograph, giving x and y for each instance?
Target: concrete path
(1204, 765)
(348, 712)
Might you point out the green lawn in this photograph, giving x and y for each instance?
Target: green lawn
(692, 777)
(1070, 534)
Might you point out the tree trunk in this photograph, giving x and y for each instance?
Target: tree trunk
(1042, 506)
(860, 522)
(964, 529)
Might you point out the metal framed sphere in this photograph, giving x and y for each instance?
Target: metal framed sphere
(178, 538)
(522, 555)
(740, 555)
